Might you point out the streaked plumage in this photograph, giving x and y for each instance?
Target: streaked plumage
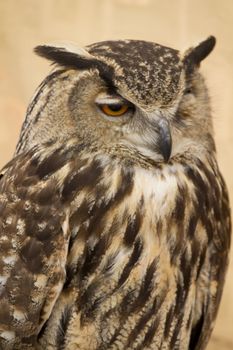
(114, 231)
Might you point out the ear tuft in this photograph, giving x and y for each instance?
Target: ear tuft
(195, 55)
(76, 59)
(62, 56)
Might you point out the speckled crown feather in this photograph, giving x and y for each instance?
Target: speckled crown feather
(149, 72)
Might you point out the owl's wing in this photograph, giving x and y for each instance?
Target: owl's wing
(33, 247)
(219, 220)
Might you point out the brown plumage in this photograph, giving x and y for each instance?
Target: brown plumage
(114, 218)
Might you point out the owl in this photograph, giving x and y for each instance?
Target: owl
(114, 217)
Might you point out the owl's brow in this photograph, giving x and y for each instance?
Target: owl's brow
(73, 60)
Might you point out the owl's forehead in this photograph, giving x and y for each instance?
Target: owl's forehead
(145, 71)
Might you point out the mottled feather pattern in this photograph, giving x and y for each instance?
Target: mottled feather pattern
(151, 73)
(118, 252)
(33, 253)
(114, 232)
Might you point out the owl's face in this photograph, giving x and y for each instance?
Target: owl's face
(133, 95)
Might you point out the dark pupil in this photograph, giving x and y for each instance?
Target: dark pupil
(115, 107)
(188, 91)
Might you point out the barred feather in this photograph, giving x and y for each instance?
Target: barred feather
(104, 244)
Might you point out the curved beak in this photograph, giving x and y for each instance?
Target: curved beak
(165, 139)
(152, 135)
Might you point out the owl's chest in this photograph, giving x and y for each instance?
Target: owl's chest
(123, 266)
(127, 219)
(121, 195)
(123, 209)
(119, 267)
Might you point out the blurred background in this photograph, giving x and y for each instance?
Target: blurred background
(178, 24)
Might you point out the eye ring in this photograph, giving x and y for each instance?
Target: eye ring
(114, 110)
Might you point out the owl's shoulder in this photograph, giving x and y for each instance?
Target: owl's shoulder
(33, 245)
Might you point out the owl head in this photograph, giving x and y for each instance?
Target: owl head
(137, 96)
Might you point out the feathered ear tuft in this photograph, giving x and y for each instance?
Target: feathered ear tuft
(77, 58)
(195, 55)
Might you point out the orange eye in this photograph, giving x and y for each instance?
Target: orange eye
(114, 110)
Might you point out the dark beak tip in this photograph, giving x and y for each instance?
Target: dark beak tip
(166, 152)
(165, 144)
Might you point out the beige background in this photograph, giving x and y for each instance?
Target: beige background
(176, 23)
